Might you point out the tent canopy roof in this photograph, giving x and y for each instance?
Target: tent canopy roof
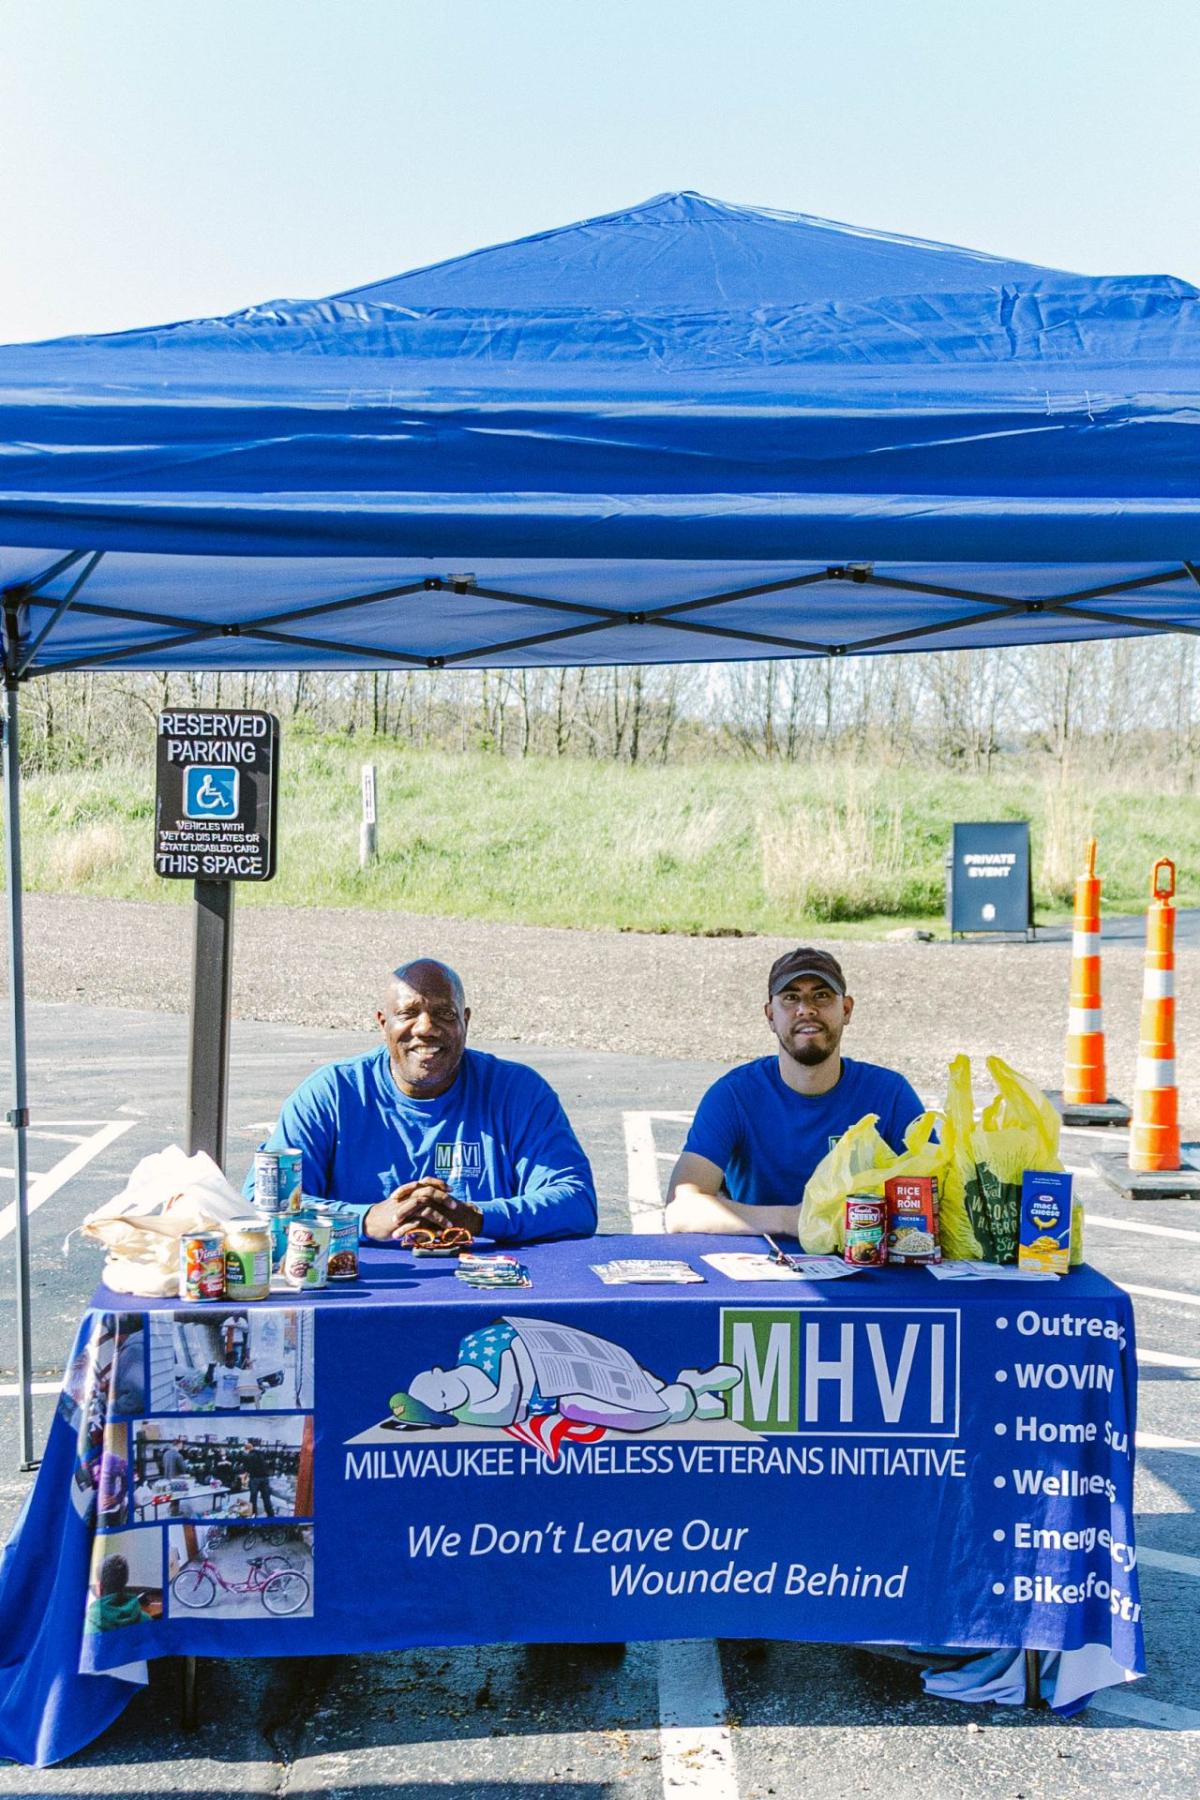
(684, 431)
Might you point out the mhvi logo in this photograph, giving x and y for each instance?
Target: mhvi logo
(844, 1372)
(458, 1162)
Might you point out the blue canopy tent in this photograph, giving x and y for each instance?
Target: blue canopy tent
(687, 431)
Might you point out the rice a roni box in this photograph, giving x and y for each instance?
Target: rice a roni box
(912, 1202)
(1045, 1240)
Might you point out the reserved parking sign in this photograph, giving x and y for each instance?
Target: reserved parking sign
(216, 794)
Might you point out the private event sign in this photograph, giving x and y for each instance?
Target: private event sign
(218, 778)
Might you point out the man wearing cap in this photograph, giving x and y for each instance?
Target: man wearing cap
(760, 1131)
(423, 1132)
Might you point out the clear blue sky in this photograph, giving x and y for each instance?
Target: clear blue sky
(165, 160)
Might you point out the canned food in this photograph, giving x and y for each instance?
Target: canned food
(277, 1180)
(248, 1259)
(266, 1181)
(866, 1231)
(202, 1265)
(343, 1247)
(277, 1225)
(306, 1259)
(291, 1179)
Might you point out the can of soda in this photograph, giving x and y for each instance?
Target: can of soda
(306, 1259)
(343, 1247)
(202, 1265)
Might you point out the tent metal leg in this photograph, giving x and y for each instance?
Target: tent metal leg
(18, 1114)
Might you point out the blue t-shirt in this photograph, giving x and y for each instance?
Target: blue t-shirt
(498, 1138)
(769, 1139)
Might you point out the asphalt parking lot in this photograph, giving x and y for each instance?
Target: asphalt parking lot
(715, 1719)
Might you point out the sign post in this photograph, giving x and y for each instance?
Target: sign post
(214, 824)
(366, 836)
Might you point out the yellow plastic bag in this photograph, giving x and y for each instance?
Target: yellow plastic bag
(922, 1155)
(981, 1197)
(842, 1170)
(859, 1163)
(957, 1236)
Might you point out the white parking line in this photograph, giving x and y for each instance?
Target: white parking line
(56, 1137)
(1148, 1293)
(47, 1185)
(1151, 1440)
(1170, 1559)
(9, 1389)
(1142, 1230)
(695, 1743)
(1119, 1703)
(1161, 1359)
(641, 1165)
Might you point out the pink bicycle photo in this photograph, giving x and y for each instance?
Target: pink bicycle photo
(281, 1588)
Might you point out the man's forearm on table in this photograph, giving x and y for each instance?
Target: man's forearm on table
(565, 1209)
(691, 1209)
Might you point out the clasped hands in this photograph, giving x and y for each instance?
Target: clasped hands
(427, 1202)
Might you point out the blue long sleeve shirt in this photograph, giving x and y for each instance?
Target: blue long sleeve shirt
(498, 1137)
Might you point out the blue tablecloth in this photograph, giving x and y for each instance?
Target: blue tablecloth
(886, 1458)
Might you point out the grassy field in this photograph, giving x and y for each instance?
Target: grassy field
(716, 846)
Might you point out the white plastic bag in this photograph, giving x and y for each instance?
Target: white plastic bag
(167, 1195)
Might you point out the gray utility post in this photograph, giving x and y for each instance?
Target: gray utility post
(367, 847)
(208, 1048)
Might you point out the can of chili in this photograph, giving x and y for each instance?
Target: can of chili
(866, 1231)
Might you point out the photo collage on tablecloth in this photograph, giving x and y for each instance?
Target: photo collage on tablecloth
(194, 1463)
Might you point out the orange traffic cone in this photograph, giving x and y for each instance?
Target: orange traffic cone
(1084, 1080)
(1154, 1143)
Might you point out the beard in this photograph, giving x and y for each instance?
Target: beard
(810, 1052)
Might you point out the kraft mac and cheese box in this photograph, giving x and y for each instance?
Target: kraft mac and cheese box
(1045, 1241)
(912, 1203)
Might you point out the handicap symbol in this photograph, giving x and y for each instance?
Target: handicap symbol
(210, 793)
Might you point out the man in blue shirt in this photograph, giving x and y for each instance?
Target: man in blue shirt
(424, 1132)
(760, 1131)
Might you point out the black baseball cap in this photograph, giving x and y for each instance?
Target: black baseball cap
(794, 963)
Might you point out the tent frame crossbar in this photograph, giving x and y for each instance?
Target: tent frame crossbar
(265, 628)
(67, 601)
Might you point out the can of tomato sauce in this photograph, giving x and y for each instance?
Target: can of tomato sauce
(866, 1231)
(202, 1265)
